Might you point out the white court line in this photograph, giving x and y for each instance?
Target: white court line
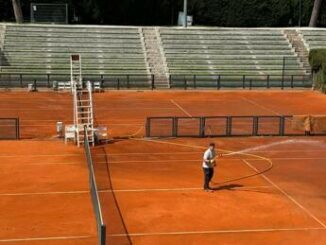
(287, 195)
(215, 232)
(43, 155)
(44, 238)
(127, 190)
(183, 110)
(101, 154)
(261, 106)
(224, 160)
(181, 189)
(44, 193)
(46, 163)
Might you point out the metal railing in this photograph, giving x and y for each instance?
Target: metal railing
(240, 81)
(101, 227)
(149, 81)
(223, 126)
(42, 80)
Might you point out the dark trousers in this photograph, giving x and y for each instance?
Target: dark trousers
(208, 175)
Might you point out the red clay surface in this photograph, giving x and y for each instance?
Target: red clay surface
(44, 197)
(151, 191)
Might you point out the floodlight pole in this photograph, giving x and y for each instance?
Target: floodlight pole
(185, 13)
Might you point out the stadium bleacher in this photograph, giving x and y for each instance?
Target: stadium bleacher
(314, 38)
(206, 56)
(45, 49)
(229, 53)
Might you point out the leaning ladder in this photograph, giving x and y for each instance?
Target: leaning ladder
(83, 104)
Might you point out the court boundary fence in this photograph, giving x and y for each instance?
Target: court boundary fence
(9, 129)
(101, 227)
(223, 126)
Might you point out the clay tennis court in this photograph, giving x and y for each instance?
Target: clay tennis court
(151, 189)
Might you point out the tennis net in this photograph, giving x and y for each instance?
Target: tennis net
(101, 227)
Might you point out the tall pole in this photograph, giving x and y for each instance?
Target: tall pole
(300, 12)
(185, 13)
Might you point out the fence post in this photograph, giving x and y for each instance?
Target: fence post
(255, 126)
(174, 127)
(48, 80)
(35, 85)
(229, 126)
(202, 128)
(148, 127)
(152, 81)
(118, 84)
(21, 80)
(17, 129)
(244, 81)
(128, 81)
(283, 73)
(268, 85)
(170, 81)
(282, 125)
(102, 81)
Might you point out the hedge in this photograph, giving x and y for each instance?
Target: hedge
(317, 59)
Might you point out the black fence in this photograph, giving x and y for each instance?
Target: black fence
(21, 80)
(101, 227)
(9, 129)
(240, 81)
(223, 126)
(149, 81)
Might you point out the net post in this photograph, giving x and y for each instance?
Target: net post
(244, 81)
(103, 235)
(118, 84)
(267, 81)
(195, 81)
(292, 85)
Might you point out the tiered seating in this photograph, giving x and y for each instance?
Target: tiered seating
(315, 38)
(230, 53)
(37, 49)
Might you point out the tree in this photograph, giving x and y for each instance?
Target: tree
(315, 13)
(17, 11)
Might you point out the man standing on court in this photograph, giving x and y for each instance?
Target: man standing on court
(208, 165)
